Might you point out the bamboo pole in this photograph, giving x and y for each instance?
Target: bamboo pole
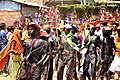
(56, 22)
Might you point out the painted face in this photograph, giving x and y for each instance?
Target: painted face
(92, 32)
(114, 28)
(31, 30)
(97, 28)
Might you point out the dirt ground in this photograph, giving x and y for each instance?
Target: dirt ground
(54, 76)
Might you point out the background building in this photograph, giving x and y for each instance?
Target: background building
(60, 2)
(10, 10)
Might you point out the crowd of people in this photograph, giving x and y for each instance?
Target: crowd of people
(34, 47)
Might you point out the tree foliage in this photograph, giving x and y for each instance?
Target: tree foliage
(89, 9)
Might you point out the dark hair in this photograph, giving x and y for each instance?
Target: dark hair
(26, 16)
(20, 28)
(2, 26)
(59, 32)
(16, 22)
(9, 28)
(75, 28)
(32, 25)
(104, 23)
(107, 33)
(115, 23)
(93, 28)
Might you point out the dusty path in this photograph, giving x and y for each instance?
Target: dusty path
(54, 76)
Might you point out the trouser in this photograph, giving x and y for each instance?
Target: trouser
(50, 73)
(89, 66)
(27, 73)
(47, 70)
(56, 61)
(83, 53)
(79, 57)
(69, 61)
(105, 65)
(5, 67)
(36, 74)
(74, 70)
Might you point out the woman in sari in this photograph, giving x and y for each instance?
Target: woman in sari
(15, 52)
(13, 48)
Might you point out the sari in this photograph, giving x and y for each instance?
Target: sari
(14, 63)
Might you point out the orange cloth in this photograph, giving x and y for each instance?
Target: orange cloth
(110, 20)
(6, 51)
(94, 23)
(102, 20)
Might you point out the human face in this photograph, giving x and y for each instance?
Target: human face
(12, 31)
(97, 28)
(73, 31)
(92, 32)
(26, 21)
(36, 15)
(114, 28)
(66, 31)
(31, 30)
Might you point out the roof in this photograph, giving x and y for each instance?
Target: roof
(30, 3)
(113, 2)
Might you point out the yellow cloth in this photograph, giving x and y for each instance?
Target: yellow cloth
(25, 35)
(14, 68)
(117, 47)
